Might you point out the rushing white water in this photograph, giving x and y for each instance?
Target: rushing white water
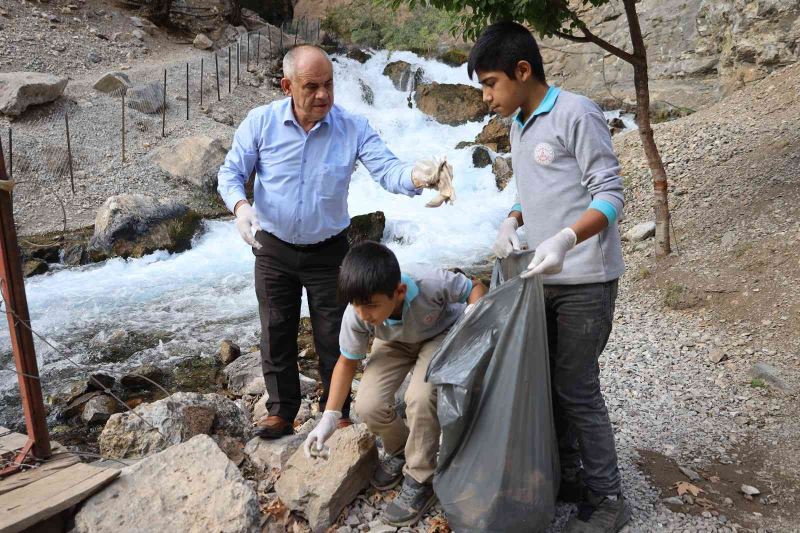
(176, 305)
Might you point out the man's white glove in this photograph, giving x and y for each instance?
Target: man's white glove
(322, 432)
(468, 309)
(435, 174)
(549, 255)
(247, 224)
(507, 240)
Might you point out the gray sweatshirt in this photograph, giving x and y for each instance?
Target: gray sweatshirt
(564, 163)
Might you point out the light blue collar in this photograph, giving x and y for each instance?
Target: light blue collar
(545, 106)
(288, 117)
(411, 293)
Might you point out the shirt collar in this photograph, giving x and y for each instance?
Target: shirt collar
(411, 293)
(289, 118)
(545, 106)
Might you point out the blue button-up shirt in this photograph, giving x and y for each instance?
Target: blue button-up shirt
(302, 179)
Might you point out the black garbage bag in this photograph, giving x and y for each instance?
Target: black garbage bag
(498, 462)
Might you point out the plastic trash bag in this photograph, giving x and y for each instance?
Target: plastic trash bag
(498, 461)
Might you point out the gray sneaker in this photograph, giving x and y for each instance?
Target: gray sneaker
(389, 472)
(410, 504)
(599, 514)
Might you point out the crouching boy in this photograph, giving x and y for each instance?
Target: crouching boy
(408, 313)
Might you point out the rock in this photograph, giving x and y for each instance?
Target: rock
(308, 386)
(218, 112)
(93, 57)
(495, 134)
(359, 55)
(770, 374)
(404, 76)
(146, 98)
(717, 356)
(366, 92)
(143, 377)
(20, 90)
(260, 407)
(689, 473)
(229, 352)
(132, 225)
(202, 42)
(198, 374)
(99, 409)
(230, 447)
(503, 171)
(113, 82)
(34, 267)
(194, 159)
(673, 500)
(138, 35)
(75, 407)
(178, 418)
(368, 227)
(269, 456)
(245, 375)
(749, 490)
(640, 232)
(451, 104)
(75, 255)
(455, 57)
(189, 487)
(464, 144)
(319, 489)
(481, 158)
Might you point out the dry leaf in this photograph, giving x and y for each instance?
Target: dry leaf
(439, 525)
(278, 511)
(714, 479)
(703, 502)
(684, 486)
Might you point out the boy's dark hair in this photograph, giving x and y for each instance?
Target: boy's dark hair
(501, 46)
(369, 268)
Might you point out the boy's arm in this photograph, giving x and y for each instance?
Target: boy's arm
(342, 378)
(477, 292)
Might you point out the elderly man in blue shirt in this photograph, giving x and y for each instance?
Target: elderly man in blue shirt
(303, 150)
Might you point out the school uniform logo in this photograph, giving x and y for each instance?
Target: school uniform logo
(544, 154)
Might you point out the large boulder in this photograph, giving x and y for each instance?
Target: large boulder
(132, 225)
(156, 426)
(202, 42)
(503, 171)
(318, 488)
(246, 376)
(269, 456)
(189, 487)
(495, 134)
(451, 104)
(404, 75)
(194, 159)
(146, 98)
(20, 90)
(368, 227)
(113, 83)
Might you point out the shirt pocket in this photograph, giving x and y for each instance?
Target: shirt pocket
(333, 180)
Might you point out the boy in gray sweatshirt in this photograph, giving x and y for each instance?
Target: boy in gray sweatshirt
(569, 196)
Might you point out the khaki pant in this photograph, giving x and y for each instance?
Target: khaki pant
(388, 364)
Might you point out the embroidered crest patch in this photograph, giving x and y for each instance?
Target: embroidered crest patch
(544, 154)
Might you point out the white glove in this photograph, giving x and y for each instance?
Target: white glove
(247, 224)
(507, 240)
(321, 433)
(468, 309)
(435, 174)
(549, 255)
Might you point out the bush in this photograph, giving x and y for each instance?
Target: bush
(365, 23)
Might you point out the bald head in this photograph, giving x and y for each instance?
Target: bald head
(303, 58)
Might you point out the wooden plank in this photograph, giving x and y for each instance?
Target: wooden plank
(11, 441)
(46, 497)
(60, 460)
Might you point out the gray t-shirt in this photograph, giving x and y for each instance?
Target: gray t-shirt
(434, 301)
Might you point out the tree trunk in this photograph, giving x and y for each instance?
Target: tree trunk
(236, 12)
(640, 80)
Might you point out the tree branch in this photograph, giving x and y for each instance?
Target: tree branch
(589, 37)
(570, 37)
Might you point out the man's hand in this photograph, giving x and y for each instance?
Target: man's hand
(507, 240)
(435, 174)
(549, 255)
(322, 432)
(247, 224)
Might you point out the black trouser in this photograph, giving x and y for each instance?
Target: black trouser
(281, 272)
(579, 319)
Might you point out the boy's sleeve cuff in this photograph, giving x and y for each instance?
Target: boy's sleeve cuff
(605, 207)
(467, 292)
(352, 357)
(517, 207)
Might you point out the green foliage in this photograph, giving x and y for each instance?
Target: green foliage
(758, 383)
(376, 25)
(545, 16)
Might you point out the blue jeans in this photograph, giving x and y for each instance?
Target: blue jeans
(579, 319)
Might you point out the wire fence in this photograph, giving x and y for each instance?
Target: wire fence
(54, 151)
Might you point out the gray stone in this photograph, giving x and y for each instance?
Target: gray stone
(245, 375)
(308, 386)
(138, 34)
(146, 98)
(367, 94)
(147, 376)
(451, 104)
(34, 267)
(367, 227)
(189, 487)
(218, 112)
(640, 232)
(202, 42)
(195, 160)
(113, 82)
(749, 490)
(260, 407)
(99, 409)
(319, 489)
(20, 90)
(770, 374)
(93, 57)
(231, 447)
(717, 355)
(503, 171)
(404, 76)
(689, 473)
(269, 456)
(170, 421)
(673, 500)
(481, 158)
(229, 352)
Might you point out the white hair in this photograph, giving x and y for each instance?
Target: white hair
(290, 59)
